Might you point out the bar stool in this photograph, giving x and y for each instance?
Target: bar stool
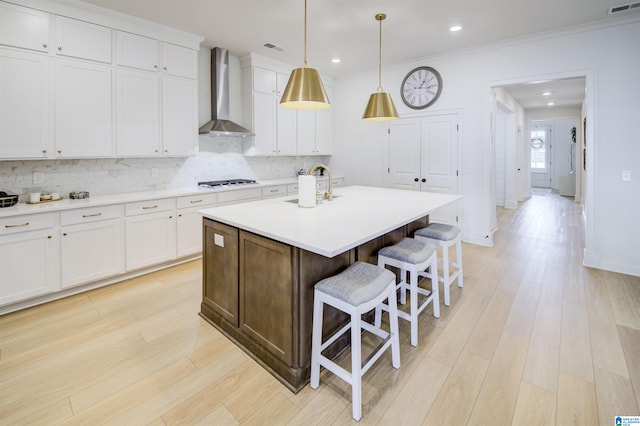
(355, 291)
(445, 236)
(413, 257)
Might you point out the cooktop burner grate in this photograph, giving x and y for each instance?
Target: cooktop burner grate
(226, 182)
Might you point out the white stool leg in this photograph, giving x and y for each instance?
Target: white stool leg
(377, 319)
(403, 287)
(356, 365)
(445, 267)
(414, 308)
(435, 287)
(459, 260)
(316, 340)
(393, 329)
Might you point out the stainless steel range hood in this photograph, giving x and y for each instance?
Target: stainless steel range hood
(220, 125)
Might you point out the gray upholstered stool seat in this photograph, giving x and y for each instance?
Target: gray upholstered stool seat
(445, 236)
(413, 257)
(355, 291)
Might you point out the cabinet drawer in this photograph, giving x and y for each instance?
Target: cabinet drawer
(151, 206)
(292, 188)
(238, 196)
(196, 200)
(11, 225)
(90, 214)
(274, 191)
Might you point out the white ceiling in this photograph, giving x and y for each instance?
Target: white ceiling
(347, 28)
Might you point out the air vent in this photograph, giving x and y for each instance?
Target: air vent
(274, 47)
(624, 8)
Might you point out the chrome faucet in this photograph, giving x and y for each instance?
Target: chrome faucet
(329, 194)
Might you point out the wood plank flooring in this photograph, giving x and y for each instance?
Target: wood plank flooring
(533, 338)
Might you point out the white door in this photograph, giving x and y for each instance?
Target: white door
(423, 156)
(404, 154)
(439, 161)
(540, 158)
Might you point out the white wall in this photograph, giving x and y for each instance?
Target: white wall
(606, 55)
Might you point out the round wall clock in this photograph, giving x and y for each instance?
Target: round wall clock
(421, 87)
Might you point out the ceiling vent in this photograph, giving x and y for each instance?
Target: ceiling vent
(274, 47)
(624, 8)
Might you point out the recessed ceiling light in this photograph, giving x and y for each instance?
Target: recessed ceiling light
(546, 93)
(455, 28)
(336, 60)
(550, 103)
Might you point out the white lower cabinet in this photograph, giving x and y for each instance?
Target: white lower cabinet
(189, 223)
(150, 237)
(29, 257)
(92, 244)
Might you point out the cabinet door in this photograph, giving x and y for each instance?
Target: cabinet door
(286, 124)
(264, 80)
(80, 265)
(150, 239)
(24, 105)
(324, 128)
(264, 123)
(83, 110)
(179, 61)
(266, 302)
(81, 39)
(189, 232)
(24, 27)
(306, 132)
(30, 265)
(221, 282)
(179, 116)
(137, 114)
(136, 51)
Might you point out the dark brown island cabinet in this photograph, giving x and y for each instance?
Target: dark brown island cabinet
(259, 293)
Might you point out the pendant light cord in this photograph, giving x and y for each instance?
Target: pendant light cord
(305, 34)
(380, 17)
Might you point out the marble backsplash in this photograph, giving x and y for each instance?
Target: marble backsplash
(219, 158)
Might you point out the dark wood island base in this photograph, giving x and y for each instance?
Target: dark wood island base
(259, 293)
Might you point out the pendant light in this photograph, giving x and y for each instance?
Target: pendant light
(380, 106)
(304, 89)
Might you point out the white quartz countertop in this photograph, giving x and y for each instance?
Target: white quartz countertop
(357, 215)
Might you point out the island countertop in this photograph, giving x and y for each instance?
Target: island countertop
(356, 215)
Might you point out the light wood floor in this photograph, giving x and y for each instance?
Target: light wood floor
(533, 338)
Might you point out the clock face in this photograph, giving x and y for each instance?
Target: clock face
(421, 87)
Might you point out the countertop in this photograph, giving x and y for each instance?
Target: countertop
(129, 197)
(357, 215)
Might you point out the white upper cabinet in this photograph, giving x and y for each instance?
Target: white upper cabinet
(179, 61)
(83, 110)
(24, 27)
(83, 40)
(314, 130)
(179, 116)
(24, 105)
(137, 51)
(137, 114)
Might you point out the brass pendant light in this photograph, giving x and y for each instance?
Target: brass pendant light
(380, 106)
(304, 89)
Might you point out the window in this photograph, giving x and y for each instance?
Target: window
(538, 149)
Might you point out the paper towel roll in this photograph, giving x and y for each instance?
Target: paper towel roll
(306, 191)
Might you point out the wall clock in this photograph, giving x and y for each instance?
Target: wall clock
(421, 87)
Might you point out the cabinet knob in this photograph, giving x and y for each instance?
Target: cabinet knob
(59, 48)
(49, 237)
(64, 234)
(416, 179)
(180, 215)
(44, 151)
(164, 68)
(424, 180)
(170, 217)
(59, 151)
(155, 66)
(166, 150)
(155, 150)
(44, 45)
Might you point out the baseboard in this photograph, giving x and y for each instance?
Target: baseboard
(592, 260)
(510, 204)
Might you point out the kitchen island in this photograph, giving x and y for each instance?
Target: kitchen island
(262, 259)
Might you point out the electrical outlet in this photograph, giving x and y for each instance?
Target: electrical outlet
(38, 178)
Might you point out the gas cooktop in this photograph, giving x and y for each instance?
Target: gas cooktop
(226, 182)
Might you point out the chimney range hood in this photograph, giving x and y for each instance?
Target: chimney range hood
(220, 125)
